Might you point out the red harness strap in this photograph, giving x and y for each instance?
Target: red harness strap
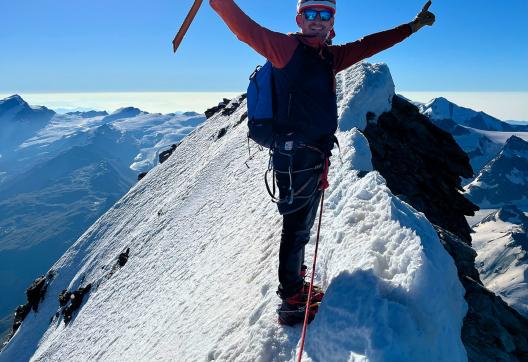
(324, 176)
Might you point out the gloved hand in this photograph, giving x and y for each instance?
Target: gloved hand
(425, 17)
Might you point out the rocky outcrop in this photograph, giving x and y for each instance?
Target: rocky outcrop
(164, 156)
(72, 301)
(492, 330)
(424, 164)
(35, 294)
(227, 106)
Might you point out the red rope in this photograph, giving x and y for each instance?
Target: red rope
(324, 177)
(308, 302)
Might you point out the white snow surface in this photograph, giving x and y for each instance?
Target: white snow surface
(365, 87)
(201, 278)
(500, 262)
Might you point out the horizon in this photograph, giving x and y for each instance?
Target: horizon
(506, 106)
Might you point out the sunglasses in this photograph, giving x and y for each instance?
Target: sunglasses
(311, 15)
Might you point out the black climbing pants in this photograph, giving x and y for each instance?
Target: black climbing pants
(295, 235)
(299, 215)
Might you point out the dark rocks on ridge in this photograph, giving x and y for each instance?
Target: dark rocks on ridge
(422, 165)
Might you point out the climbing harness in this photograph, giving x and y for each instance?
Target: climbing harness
(293, 194)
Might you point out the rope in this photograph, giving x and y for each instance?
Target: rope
(308, 301)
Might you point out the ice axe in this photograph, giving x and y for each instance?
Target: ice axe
(186, 23)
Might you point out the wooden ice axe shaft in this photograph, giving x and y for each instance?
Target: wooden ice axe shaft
(186, 23)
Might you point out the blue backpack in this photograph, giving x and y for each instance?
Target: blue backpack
(260, 106)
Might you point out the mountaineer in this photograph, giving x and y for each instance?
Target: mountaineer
(304, 66)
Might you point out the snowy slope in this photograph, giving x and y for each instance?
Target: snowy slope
(504, 180)
(501, 243)
(201, 278)
(59, 173)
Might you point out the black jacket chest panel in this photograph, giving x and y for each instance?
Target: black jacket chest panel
(305, 99)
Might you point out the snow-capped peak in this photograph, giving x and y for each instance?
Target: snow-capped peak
(440, 108)
(16, 109)
(121, 113)
(365, 91)
(14, 99)
(516, 146)
(504, 180)
(10, 106)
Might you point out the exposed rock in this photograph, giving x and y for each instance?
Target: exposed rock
(227, 106)
(64, 297)
(424, 163)
(164, 156)
(20, 314)
(504, 180)
(35, 294)
(76, 299)
(14, 108)
(123, 258)
(221, 133)
(492, 330)
(214, 110)
(243, 117)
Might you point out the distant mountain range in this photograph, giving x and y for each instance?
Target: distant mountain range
(60, 172)
(440, 108)
(480, 135)
(499, 156)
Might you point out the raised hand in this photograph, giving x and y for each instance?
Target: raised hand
(425, 17)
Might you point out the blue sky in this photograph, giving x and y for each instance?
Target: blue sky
(96, 46)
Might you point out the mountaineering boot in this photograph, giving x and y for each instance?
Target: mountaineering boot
(292, 310)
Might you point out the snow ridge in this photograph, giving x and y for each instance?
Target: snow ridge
(201, 278)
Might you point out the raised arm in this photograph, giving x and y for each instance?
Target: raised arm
(278, 48)
(351, 53)
(348, 54)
